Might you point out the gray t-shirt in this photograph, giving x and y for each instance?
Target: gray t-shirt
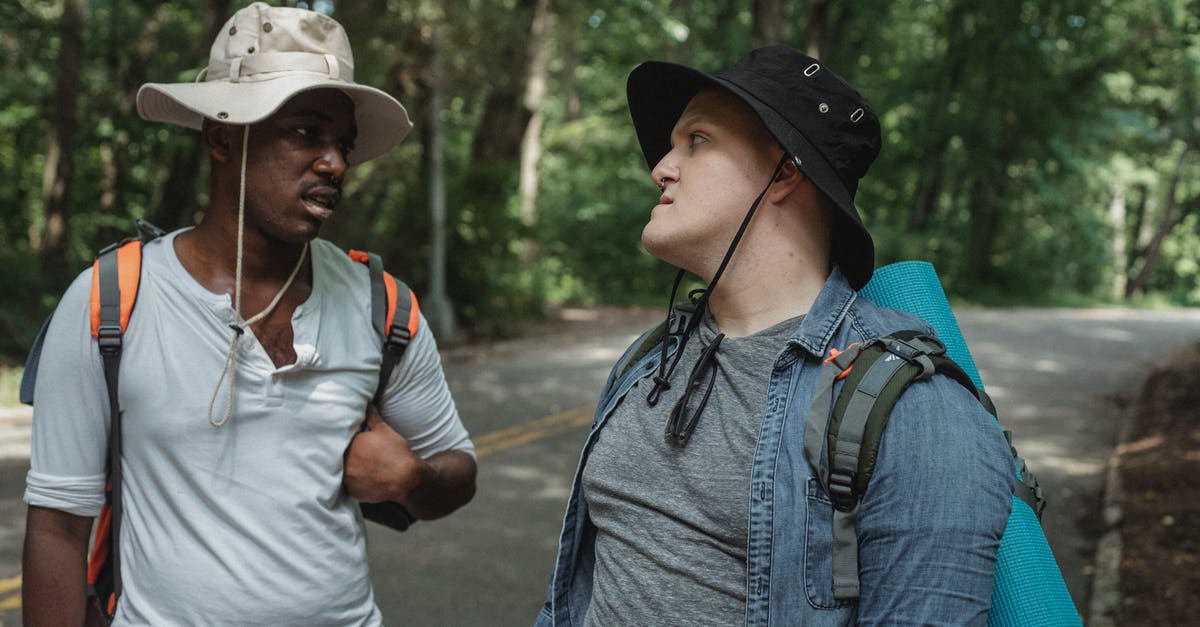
(672, 519)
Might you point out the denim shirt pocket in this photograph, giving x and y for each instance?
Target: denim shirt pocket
(818, 548)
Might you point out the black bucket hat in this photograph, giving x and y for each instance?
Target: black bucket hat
(818, 118)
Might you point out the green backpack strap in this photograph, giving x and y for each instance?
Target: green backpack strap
(876, 373)
(640, 348)
(684, 311)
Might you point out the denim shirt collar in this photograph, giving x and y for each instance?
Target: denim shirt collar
(825, 316)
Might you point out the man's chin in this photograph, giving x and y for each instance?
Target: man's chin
(657, 246)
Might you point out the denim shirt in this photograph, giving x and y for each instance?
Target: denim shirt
(929, 524)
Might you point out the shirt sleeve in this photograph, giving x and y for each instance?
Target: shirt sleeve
(70, 412)
(931, 520)
(417, 402)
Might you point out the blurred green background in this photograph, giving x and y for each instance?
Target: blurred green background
(1037, 152)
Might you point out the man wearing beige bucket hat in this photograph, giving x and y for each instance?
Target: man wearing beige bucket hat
(249, 368)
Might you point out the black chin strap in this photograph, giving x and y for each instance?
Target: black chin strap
(699, 300)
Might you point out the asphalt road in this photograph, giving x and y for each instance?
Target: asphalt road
(1057, 377)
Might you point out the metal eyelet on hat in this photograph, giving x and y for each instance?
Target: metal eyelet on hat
(812, 69)
(857, 115)
(251, 50)
(823, 108)
(267, 27)
(232, 31)
(222, 115)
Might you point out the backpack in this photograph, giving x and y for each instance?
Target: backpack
(116, 272)
(1028, 587)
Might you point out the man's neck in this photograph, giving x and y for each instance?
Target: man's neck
(209, 253)
(778, 270)
(771, 278)
(746, 304)
(214, 243)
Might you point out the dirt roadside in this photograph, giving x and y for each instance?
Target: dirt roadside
(1158, 466)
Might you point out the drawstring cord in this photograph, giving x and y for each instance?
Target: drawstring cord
(699, 299)
(230, 366)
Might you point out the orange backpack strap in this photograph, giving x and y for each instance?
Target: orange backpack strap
(395, 314)
(396, 317)
(115, 277)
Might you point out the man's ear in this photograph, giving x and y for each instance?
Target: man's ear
(787, 182)
(219, 139)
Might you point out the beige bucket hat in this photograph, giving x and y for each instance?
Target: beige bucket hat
(264, 56)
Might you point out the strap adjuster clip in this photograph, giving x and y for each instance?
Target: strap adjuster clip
(841, 490)
(917, 352)
(108, 336)
(397, 340)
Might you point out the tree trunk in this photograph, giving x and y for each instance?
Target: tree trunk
(178, 203)
(438, 309)
(679, 52)
(568, 42)
(816, 27)
(1165, 223)
(504, 119)
(929, 187)
(531, 143)
(935, 135)
(768, 24)
(1116, 213)
(60, 163)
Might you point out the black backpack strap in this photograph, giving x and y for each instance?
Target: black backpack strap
(402, 312)
(396, 337)
(1025, 485)
(110, 340)
(29, 375)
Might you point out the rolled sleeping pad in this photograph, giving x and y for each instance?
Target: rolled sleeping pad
(1029, 589)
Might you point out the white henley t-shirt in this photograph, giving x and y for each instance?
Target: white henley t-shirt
(246, 523)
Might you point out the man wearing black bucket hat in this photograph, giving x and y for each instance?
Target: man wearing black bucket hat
(693, 502)
(250, 426)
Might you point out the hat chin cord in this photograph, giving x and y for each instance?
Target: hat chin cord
(230, 366)
(699, 298)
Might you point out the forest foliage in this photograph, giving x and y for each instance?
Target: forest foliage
(1036, 151)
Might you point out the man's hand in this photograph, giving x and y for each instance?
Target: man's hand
(379, 464)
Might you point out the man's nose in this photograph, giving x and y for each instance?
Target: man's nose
(332, 161)
(665, 171)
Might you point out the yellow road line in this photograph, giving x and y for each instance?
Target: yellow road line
(486, 444)
(11, 603)
(533, 430)
(10, 585)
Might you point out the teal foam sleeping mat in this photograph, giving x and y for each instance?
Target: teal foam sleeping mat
(1029, 589)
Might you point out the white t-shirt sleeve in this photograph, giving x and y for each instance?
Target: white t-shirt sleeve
(70, 412)
(417, 402)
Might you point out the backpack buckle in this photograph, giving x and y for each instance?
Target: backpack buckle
(108, 336)
(844, 359)
(841, 490)
(397, 340)
(917, 351)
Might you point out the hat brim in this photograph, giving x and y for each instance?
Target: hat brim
(381, 120)
(658, 92)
